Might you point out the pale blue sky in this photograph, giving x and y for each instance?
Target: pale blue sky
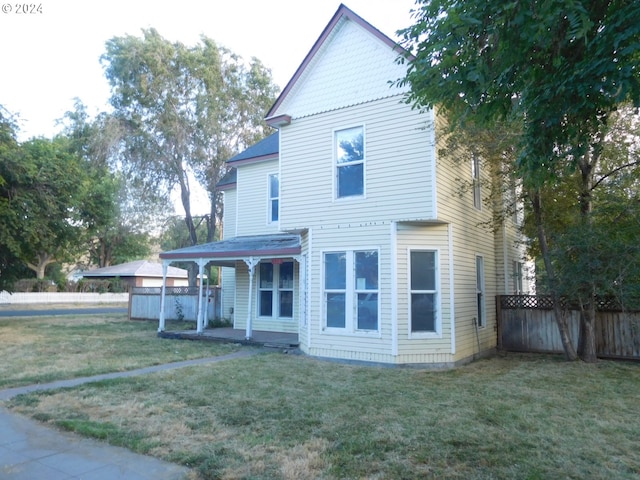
(48, 58)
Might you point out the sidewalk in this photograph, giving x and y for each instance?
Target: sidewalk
(32, 451)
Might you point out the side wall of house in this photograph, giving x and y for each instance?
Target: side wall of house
(253, 195)
(398, 167)
(472, 237)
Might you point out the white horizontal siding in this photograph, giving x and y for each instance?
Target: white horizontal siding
(230, 213)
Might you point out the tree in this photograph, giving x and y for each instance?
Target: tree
(185, 110)
(43, 186)
(10, 264)
(117, 214)
(560, 69)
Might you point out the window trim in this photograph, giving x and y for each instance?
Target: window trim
(437, 333)
(351, 295)
(476, 178)
(275, 292)
(271, 199)
(481, 292)
(335, 166)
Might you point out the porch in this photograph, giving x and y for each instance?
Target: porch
(233, 335)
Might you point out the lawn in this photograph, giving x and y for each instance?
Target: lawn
(44, 349)
(293, 417)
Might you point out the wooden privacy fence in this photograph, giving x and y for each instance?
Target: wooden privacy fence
(526, 323)
(181, 303)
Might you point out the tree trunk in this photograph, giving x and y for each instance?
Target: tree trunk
(587, 343)
(559, 312)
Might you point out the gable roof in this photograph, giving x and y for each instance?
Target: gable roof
(139, 268)
(341, 14)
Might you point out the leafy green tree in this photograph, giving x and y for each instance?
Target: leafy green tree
(185, 110)
(11, 267)
(558, 68)
(118, 216)
(43, 186)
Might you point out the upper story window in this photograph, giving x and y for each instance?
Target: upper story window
(349, 154)
(274, 198)
(475, 170)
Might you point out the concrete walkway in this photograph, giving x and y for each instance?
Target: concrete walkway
(32, 451)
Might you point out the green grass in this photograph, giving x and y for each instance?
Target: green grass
(294, 417)
(45, 349)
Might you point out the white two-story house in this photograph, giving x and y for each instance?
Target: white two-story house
(346, 228)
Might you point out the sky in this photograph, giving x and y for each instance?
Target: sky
(51, 56)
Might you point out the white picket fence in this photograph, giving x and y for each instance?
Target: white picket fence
(7, 298)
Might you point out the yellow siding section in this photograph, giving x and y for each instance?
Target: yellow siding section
(398, 167)
(253, 198)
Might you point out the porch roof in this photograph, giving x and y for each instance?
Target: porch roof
(238, 248)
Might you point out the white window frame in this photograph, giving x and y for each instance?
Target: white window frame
(351, 294)
(276, 291)
(481, 296)
(336, 166)
(271, 199)
(518, 277)
(476, 176)
(437, 333)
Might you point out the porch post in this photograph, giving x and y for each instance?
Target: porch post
(200, 319)
(165, 266)
(251, 264)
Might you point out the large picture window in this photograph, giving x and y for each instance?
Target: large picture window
(275, 290)
(351, 290)
(424, 293)
(350, 157)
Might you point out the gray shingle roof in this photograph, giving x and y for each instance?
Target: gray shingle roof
(240, 247)
(266, 147)
(139, 268)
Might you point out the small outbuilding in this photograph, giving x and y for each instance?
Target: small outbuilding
(141, 273)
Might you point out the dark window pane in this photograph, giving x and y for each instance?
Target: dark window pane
(335, 271)
(351, 180)
(266, 303)
(286, 275)
(286, 304)
(423, 271)
(336, 310)
(366, 270)
(275, 205)
(266, 275)
(423, 315)
(367, 311)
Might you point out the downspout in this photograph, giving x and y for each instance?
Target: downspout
(161, 323)
(251, 264)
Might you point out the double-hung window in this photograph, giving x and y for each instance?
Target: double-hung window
(350, 158)
(351, 290)
(424, 292)
(275, 290)
(274, 198)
